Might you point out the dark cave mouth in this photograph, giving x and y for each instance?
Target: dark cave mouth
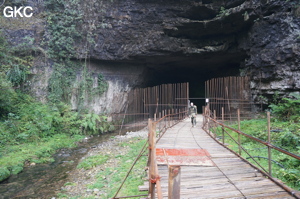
(178, 68)
(195, 70)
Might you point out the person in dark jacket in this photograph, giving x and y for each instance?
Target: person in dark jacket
(193, 113)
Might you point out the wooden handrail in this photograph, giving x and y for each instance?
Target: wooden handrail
(257, 140)
(207, 118)
(154, 178)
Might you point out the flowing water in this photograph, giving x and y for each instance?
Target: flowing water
(44, 180)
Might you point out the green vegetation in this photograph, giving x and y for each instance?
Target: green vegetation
(63, 18)
(13, 157)
(64, 77)
(288, 109)
(15, 61)
(70, 35)
(110, 176)
(110, 179)
(92, 161)
(31, 131)
(223, 12)
(29, 122)
(285, 133)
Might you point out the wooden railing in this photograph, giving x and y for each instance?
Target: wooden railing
(156, 129)
(214, 127)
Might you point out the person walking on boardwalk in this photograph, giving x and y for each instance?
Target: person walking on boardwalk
(193, 113)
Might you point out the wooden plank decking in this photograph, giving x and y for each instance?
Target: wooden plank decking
(230, 178)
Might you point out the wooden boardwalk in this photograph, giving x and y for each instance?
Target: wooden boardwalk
(229, 177)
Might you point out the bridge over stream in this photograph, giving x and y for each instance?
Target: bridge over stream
(193, 162)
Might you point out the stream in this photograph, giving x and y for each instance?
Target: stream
(44, 180)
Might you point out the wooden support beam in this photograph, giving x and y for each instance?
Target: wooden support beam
(154, 179)
(174, 182)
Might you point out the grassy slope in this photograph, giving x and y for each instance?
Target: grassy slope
(284, 135)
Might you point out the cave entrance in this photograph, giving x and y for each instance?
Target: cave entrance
(196, 76)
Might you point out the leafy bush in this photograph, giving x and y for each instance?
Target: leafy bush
(63, 19)
(15, 63)
(289, 139)
(290, 175)
(34, 121)
(288, 108)
(8, 96)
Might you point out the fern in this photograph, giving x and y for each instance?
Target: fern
(289, 108)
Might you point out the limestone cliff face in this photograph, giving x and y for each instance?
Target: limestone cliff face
(273, 46)
(259, 37)
(164, 33)
(120, 77)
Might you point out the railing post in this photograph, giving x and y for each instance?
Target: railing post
(205, 120)
(163, 115)
(223, 134)
(180, 114)
(203, 115)
(239, 128)
(173, 116)
(151, 160)
(174, 182)
(208, 120)
(215, 118)
(159, 116)
(269, 141)
(153, 170)
(169, 118)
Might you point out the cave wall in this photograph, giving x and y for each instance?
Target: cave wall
(131, 37)
(261, 36)
(273, 46)
(120, 77)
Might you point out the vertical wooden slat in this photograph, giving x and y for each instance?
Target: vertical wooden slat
(239, 128)
(223, 134)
